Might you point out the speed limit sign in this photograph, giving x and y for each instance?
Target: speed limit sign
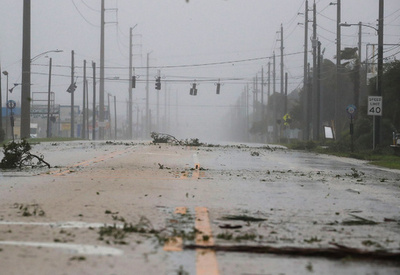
(375, 106)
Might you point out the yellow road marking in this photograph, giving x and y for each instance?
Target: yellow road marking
(206, 260)
(88, 162)
(180, 210)
(174, 244)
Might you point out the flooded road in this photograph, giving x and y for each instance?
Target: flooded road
(137, 208)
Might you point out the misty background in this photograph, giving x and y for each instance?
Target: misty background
(200, 41)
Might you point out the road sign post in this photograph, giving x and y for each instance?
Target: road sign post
(11, 104)
(351, 111)
(374, 109)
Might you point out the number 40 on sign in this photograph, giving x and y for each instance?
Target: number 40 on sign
(375, 106)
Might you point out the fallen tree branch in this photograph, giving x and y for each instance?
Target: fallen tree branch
(164, 138)
(339, 251)
(29, 156)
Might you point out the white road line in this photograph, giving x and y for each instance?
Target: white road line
(71, 224)
(72, 248)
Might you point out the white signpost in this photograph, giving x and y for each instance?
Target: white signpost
(375, 106)
(374, 109)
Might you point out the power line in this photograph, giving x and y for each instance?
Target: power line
(89, 7)
(185, 65)
(83, 17)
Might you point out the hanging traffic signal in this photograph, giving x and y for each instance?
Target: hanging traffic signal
(193, 90)
(72, 88)
(158, 83)
(134, 81)
(218, 88)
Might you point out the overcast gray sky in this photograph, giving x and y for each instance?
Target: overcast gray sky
(178, 35)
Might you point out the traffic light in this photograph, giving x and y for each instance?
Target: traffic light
(158, 83)
(218, 88)
(134, 81)
(193, 90)
(72, 88)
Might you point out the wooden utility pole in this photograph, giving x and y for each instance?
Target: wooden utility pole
(315, 81)
(262, 93)
(305, 76)
(269, 81)
(273, 74)
(147, 129)
(158, 106)
(84, 102)
(318, 100)
(282, 65)
(72, 95)
(1, 105)
(115, 117)
(48, 133)
(94, 102)
(378, 130)
(130, 122)
(286, 90)
(338, 69)
(87, 108)
(101, 87)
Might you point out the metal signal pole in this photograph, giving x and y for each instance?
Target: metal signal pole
(26, 71)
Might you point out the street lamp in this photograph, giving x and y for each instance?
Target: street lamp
(26, 89)
(46, 52)
(360, 25)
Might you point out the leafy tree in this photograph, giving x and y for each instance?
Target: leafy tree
(391, 100)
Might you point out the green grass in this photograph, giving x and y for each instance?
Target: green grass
(385, 157)
(379, 159)
(392, 162)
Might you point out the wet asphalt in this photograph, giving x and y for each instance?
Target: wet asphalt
(255, 196)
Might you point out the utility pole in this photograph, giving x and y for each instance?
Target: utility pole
(72, 95)
(275, 116)
(94, 102)
(309, 99)
(165, 108)
(286, 89)
(357, 101)
(84, 101)
(109, 113)
(147, 131)
(305, 76)
(338, 69)
(273, 74)
(87, 109)
(315, 80)
(256, 88)
(282, 65)
(158, 105)
(101, 97)
(254, 102)
(247, 111)
(378, 130)
(26, 71)
(115, 117)
(262, 93)
(1, 105)
(318, 119)
(269, 81)
(48, 133)
(130, 122)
